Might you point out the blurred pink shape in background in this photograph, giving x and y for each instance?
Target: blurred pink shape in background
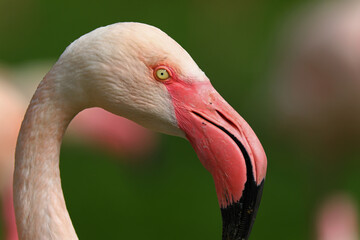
(316, 91)
(12, 109)
(318, 83)
(9, 215)
(114, 133)
(337, 219)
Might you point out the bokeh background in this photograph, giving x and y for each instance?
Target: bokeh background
(168, 194)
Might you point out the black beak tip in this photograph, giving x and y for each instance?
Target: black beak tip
(239, 217)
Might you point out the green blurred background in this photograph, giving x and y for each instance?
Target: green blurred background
(170, 195)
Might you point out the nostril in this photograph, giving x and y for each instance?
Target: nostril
(227, 120)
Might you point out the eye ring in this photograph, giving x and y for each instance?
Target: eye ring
(162, 73)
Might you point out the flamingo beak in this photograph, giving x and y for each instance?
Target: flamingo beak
(228, 149)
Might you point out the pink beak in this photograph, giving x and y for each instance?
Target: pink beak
(228, 149)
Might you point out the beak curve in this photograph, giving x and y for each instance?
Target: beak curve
(239, 217)
(228, 149)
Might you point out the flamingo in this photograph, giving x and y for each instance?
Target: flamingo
(318, 84)
(136, 71)
(317, 95)
(318, 80)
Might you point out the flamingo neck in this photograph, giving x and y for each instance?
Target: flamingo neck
(38, 197)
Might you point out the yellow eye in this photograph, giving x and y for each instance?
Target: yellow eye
(162, 74)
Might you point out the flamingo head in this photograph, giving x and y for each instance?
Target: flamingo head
(137, 71)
